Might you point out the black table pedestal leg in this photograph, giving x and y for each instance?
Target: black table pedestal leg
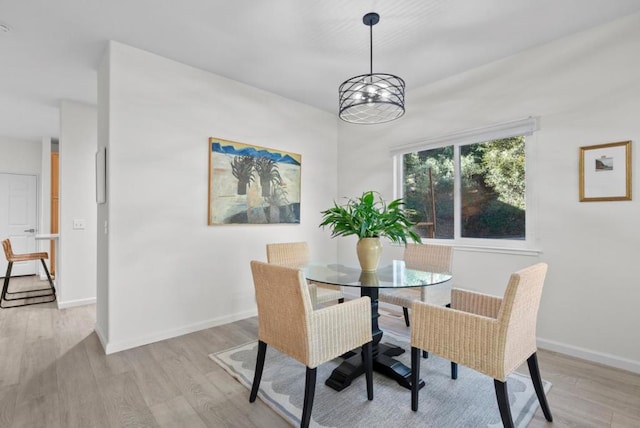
(352, 367)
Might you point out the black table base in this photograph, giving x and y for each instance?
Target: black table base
(352, 367)
(383, 353)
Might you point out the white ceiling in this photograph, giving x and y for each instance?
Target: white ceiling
(300, 49)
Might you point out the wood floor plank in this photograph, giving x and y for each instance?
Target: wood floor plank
(624, 421)
(207, 400)
(258, 413)
(155, 385)
(40, 322)
(38, 375)
(42, 411)
(177, 413)
(101, 364)
(11, 351)
(124, 403)
(574, 410)
(80, 401)
(14, 322)
(7, 405)
(195, 349)
(164, 349)
(624, 400)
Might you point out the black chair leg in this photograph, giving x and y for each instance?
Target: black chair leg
(415, 377)
(503, 403)
(454, 370)
(44, 266)
(27, 294)
(425, 354)
(309, 392)
(262, 352)
(5, 284)
(405, 311)
(367, 356)
(534, 371)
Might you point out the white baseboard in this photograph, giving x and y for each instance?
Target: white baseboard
(112, 347)
(74, 303)
(589, 355)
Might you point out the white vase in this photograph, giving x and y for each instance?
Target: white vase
(369, 251)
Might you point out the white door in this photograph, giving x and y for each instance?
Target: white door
(19, 219)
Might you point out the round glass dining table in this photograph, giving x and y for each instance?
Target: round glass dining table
(393, 275)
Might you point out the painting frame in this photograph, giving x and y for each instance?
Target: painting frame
(605, 172)
(250, 184)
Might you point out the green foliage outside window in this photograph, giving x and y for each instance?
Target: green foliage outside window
(492, 193)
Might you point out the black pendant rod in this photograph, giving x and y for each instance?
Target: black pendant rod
(371, 19)
(370, 49)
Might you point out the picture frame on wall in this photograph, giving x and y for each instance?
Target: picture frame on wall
(605, 172)
(252, 184)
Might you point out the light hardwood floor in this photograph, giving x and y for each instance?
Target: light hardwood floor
(53, 373)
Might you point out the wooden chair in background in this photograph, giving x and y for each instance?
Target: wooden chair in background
(296, 254)
(26, 295)
(426, 257)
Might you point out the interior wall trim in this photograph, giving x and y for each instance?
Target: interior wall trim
(590, 355)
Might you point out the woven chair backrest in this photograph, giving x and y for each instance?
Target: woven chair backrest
(284, 306)
(428, 257)
(288, 253)
(8, 251)
(519, 312)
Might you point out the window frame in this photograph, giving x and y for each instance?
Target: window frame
(526, 127)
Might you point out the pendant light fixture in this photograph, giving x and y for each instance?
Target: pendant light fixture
(374, 97)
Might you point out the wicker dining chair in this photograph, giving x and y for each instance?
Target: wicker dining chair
(296, 254)
(491, 335)
(288, 322)
(26, 296)
(427, 257)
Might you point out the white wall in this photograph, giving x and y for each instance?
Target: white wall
(78, 142)
(20, 156)
(585, 89)
(168, 272)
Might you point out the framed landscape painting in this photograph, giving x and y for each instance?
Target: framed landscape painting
(252, 184)
(605, 172)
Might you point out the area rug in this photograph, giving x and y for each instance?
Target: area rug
(469, 401)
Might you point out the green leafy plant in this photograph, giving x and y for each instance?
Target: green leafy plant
(369, 216)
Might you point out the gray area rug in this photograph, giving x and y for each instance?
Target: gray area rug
(469, 401)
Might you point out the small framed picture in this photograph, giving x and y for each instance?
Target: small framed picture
(605, 172)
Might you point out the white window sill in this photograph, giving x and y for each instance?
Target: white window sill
(480, 248)
(499, 250)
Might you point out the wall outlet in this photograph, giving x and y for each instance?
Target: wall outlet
(78, 223)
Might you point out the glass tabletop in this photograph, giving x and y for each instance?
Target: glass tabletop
(393, 275)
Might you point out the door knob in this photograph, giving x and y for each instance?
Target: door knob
(30, 230)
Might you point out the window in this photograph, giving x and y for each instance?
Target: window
(470, 185)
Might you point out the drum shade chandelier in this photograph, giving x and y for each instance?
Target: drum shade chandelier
(374, 97)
